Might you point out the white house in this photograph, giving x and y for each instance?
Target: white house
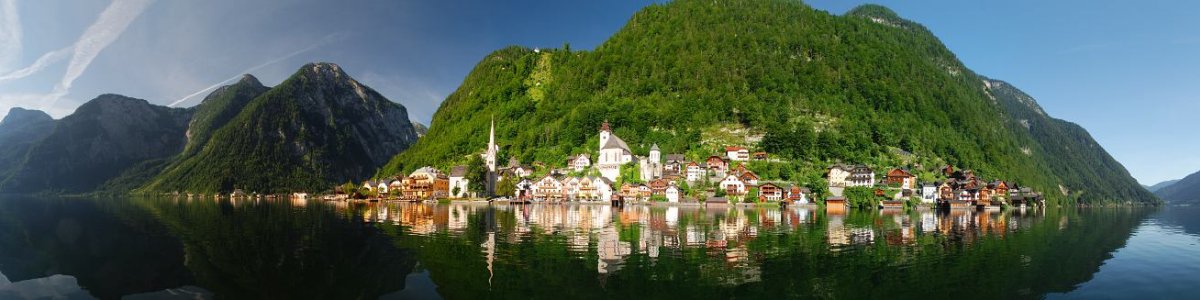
(581, 162)
(548, 189)
(459, 182)
(570, 187)
(651, 167)
(837, 175)
(613, 153)
(694, 172)
(604, 188)
(735, 153)
(929, 192)
(733, 185)
(673, 193)
(370, 185)
(523, 190)
(382, 187)
(861, 175)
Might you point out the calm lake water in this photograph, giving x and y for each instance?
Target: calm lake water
(147, 248)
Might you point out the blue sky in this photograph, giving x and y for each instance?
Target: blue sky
(1125, 71)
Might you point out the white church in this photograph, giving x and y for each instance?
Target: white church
(614, 153)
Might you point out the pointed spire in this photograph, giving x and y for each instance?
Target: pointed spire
(492, 134)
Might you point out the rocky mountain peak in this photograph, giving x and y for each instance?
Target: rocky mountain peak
(17, 116)
(249, 80)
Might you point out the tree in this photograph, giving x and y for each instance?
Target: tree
(630, 173)
(506, 187)
(454, 191)
(751, 196)
(476, 175)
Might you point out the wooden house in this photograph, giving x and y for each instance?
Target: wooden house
(770, 192)
(901, 177)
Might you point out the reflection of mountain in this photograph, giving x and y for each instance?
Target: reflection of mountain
(111, 250)
(643, 252)
(270, 249)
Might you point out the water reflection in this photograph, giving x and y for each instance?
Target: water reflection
(352, 250)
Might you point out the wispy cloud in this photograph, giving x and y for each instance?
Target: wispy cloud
(10, 34)
(323, 41)
(41, 63)
(108, 27)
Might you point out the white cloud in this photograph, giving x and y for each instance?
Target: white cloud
(41, 63)
(108, 27)
(323, 41)
(10, 34)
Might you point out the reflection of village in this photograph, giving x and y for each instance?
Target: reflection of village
(617, 233)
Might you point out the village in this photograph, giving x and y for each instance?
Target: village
(616, 176)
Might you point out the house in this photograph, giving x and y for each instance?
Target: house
(838, 175)
(651, 167)
(676, 158)
(570, 188)
(580, 162)
(659, 186)
(902, 178)
(524, 190)
(946, 191)
(613, 153)
(426, 183)
(382, 187)
(629, 192)
(585, 189)
(548, 189)
(749, 178)
(770, 192)
(948, 171)
(644, 192)
(458, 182)
(717, 164)
(673, 193)
(797, 194)
(395, 185)
(733, 185)
(522, 171)
(672, 168)
(861, 175)
(1000, 190)
(694, 172)
(929, 192)
(604, 188)
(760, 156)
(735, 153)
(835, 204)
(370, 185)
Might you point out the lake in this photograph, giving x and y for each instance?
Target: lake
(161, 248)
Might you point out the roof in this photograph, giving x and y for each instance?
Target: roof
(734, 148)
(654, 147)
(615, 142)
(675, 157)
(458, 171)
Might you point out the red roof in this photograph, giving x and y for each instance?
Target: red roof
(734, 148)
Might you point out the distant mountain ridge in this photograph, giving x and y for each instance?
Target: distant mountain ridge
(317, 128)
(96, 143)
(1182, 191)
(1161, 185)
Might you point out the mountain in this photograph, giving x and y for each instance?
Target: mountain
(19, 130)
(420, 129)
(1186, 190)
(315, 129)
(809, 87)
(101, 139)
(1158, 186)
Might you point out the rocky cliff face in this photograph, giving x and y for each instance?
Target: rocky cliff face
(19, 131)
(317, 128)
(99, 141)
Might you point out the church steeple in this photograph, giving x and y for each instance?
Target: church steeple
(492, 149)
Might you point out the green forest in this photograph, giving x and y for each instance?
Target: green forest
(818, 88)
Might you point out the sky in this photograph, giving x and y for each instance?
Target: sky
(1125, 71)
